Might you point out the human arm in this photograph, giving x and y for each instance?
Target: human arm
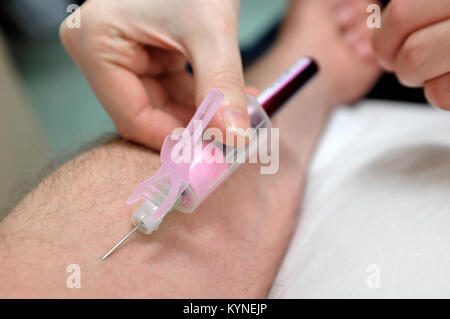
(229, 247)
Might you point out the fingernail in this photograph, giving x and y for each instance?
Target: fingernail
(384, 64)
(236, 120)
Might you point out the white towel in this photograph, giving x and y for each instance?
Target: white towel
(375, 221)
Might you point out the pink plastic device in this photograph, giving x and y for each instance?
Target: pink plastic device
(183, 185)
(169, 186)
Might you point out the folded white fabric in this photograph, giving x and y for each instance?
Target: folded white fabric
(375, 221)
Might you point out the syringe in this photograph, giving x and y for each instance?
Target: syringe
(183, 185)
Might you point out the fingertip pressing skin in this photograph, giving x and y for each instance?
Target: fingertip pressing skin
(402, 18)
(437, 91)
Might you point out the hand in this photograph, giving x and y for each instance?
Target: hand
(336, 34)
(414, 42)
(134, 55)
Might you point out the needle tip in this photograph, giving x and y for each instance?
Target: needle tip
(122, 240)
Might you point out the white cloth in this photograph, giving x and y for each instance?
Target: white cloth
(375, 221)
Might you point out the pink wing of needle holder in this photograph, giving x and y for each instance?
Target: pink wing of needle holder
(163, 191)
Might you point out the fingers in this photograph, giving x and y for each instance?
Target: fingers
(216, 63)
(400, 19)
(413, 42)
(437, 91)
(113, 65)
(134, 83)
(424, 55)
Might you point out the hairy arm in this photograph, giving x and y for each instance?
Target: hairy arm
(230, 247)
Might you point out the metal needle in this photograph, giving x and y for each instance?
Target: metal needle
(122, 240)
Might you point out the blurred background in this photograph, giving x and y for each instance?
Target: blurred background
(47, 107)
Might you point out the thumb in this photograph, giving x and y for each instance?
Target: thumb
(219, 65)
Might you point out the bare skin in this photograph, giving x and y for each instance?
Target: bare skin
(231, 246)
